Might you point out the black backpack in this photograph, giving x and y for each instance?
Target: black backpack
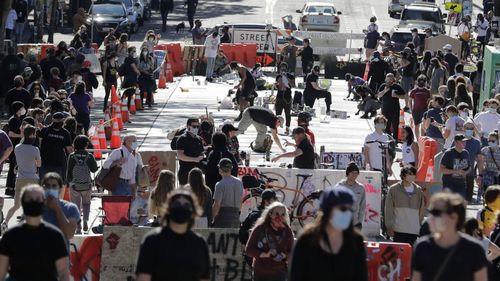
(173, 143)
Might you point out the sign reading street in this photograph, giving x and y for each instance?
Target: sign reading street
(259, 37)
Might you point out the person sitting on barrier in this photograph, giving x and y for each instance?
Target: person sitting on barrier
(246, 87)
(221, 66)
(227, 197)
(358, 208)
(174, 251)
(404, 208)
(261, 118)
(330, 240)
(313, 91)
(435, 255)
(303, 156)
(36, 241)
(270, 244)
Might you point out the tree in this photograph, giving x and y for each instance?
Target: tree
(5, 6)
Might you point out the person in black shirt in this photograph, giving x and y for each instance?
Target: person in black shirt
(130, 74)
(55, 147)
(284, 82)
(307, 57)
(225, 36)
(110, 75)
(389, 94)
(446, 254)
(18, 93)
(189, 150)
(408, 63)
(9, 68)
(378, 69)
(220, 151)
(313, 91)
(15, 135)
(331, 248)
(34, 250)
(261, 118)
(52, 61)
(304, 150)
(174, 251)
(246, 87)
(450, 58)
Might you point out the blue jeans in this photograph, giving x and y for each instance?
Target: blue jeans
(210, 67)
(123, 188)
(19, 32)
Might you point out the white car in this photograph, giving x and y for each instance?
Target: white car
(319, 16)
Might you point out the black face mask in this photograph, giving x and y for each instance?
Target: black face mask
(180, 213)
(33, 208)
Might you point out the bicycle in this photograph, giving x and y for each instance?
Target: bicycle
(304, 210)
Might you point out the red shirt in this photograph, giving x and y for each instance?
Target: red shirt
(420, 98)
(311, 136)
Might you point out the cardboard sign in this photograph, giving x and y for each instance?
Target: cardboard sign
(95, 65)
(341, 160)
(121, 245)
(291, 183)
(158, 161)
(259, 37)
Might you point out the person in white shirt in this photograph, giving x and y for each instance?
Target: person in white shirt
(211, 48)
(372, 150)
(10, 23)
(128, 158)
(454, 125)
(488, 121)
(481, 27)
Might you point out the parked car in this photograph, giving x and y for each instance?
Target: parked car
(132, 14)
(318, 16)
(402, 35)
(422, 15)
(395, 7)
(108, 16)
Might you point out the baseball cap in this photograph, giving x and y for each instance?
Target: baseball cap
(28, 70)
(447, 47)
(268, 194)
(414, 30)
(334, 196)
(58, 117)
(228, 128)
(225, 164)
(459, 137)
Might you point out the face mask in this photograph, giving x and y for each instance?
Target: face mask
(194, 131)
(134, 145)
(180, 213)
(380, 126)
(375, 59)
(341, 220)
(492, 110)
(22, 111)
(151, 39)
(33, 208)
(437, 224)
(277, 222)
(144, 53)
(52, 192)
(493, 144)
(464, 114)
(469, 133)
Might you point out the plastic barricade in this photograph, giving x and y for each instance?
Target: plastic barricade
(174, 56)
(39, 50)
(245, 54)
(388, 261)
(428, 149)
(194, 60)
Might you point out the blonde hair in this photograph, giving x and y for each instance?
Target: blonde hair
(265, 218)
(158, 197)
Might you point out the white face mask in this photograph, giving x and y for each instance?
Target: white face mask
(464, 114)
(437, 224)
(22, 111)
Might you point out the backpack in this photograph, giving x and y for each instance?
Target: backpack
(81, 174)
(178, 133)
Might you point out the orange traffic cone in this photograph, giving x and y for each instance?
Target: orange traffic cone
(125, 115)
(114, 96)
(429, 176)
(401, 124)
(67, 194)
(118, 115)
(97, 146)
(138, 101)
(132, 109)
(115, 136)
(367, 69)
(169, 74)
(162, 83)
(101, 134)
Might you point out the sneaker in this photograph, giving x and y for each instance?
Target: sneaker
(85, 226)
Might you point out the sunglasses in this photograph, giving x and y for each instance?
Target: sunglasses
(437, 212)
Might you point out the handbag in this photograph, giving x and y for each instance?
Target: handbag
(142, 174)
(497, 177)
(108, 178)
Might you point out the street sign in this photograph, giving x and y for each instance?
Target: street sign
(316, 35)
(259, 37)
(453, 7)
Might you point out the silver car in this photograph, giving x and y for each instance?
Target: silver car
(319, 16)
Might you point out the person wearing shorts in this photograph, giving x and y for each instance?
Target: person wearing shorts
(28, 160)
(419, 100)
